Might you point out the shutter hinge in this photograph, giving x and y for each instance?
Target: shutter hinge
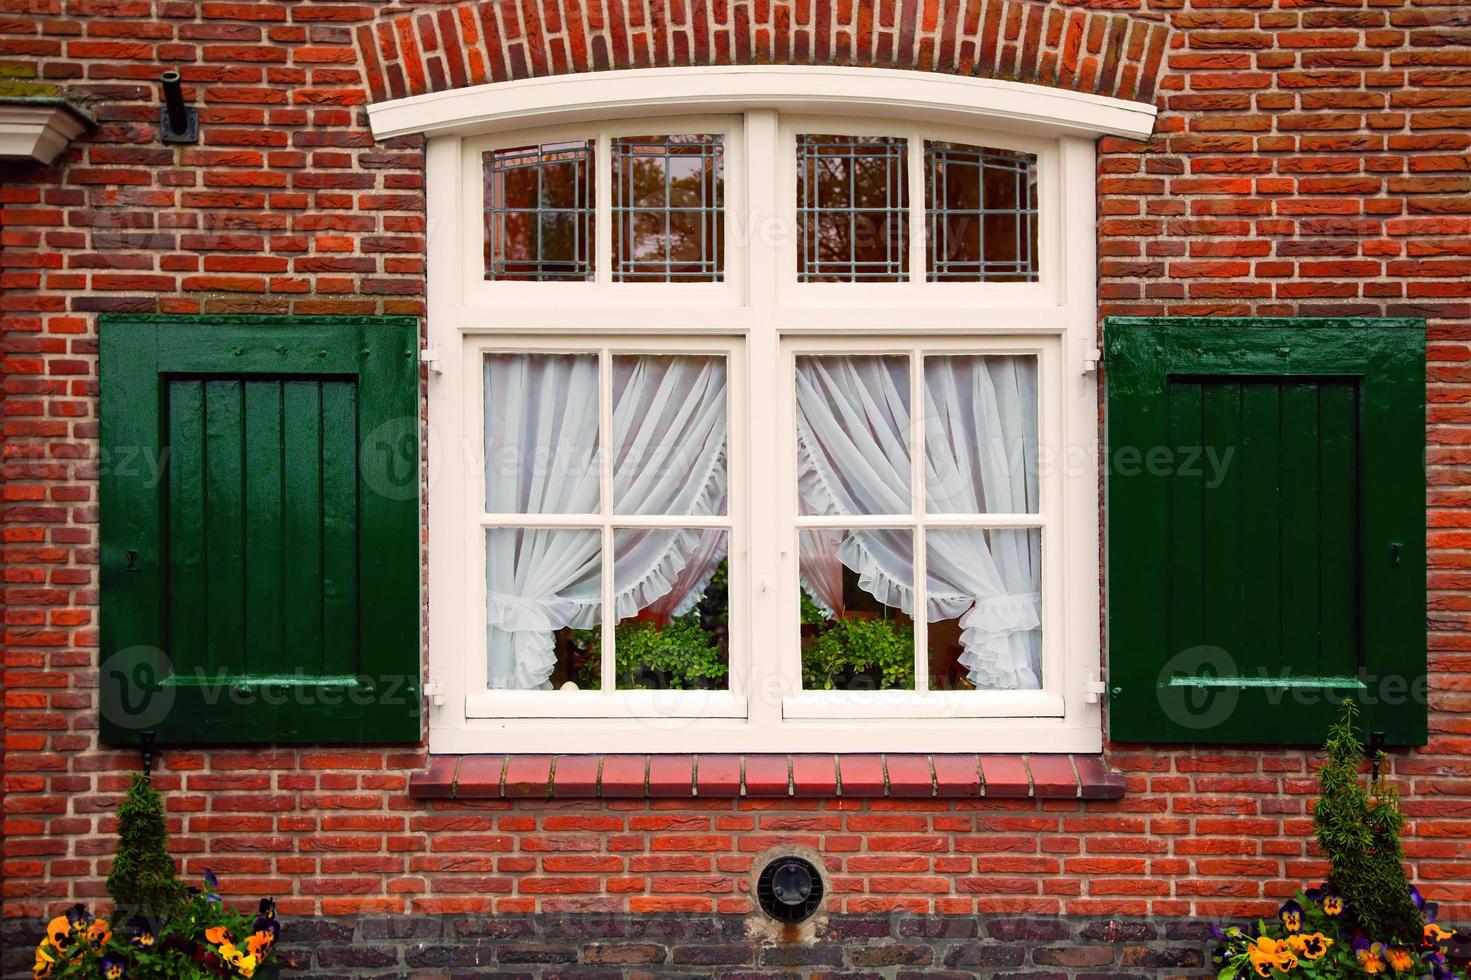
(429, 356)
(1092, 361)
(433, 693)
(1093, 689)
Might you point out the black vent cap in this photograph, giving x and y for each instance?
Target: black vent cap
(789, 889)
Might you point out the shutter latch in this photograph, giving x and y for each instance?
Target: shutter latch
(429, 356)
(1093, 689)
(433, 693)
(1092, 360)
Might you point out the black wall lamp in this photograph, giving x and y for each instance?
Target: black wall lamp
(1375, 749)
(177, 122)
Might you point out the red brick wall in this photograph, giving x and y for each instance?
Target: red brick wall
(1311, 159)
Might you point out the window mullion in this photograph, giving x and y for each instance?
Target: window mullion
(920, 615)
(605, 172)
(917, 238)
(605, 507)
(771, 656)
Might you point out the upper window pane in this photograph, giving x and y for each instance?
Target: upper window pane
(541, 433)
(669, 434)
(852, 199)
(853, 453)
(539, 211)
(980, 434)
(668, 209)
(981, 205)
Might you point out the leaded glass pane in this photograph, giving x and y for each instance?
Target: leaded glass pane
(539, 212)
(852, 198)
(668, 209)
(981, 209)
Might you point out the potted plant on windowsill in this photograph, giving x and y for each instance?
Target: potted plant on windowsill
(681, 655)
(859, 653)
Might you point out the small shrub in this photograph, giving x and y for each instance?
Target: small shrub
(173, 932)
(142, 881)
(1359, 831)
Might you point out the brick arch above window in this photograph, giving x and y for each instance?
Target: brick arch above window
(1064, 45)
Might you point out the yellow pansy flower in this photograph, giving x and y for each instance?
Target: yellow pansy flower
(44, 962)
(59, 931)
(1310, 946)
(1400, 959)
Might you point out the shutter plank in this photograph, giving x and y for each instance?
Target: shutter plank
(225, 523)
(301, 405)
(1221, 517)
(264, 595)
(1301, 566)
(1338, 476)
(1185, 609)
(339, 527)
(187, 576)
(1258, 460)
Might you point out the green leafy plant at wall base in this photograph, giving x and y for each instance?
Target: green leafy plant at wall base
(1366, 922)
(202, 939)
(1359, 829)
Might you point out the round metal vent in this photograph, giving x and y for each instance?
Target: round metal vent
(789, 889)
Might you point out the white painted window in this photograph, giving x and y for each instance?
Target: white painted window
(860, 470)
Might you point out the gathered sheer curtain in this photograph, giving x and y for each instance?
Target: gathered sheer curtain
(542, 457)
(980, 457)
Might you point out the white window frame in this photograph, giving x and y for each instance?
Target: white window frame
(1050, 700)
(762, 315)
(482, 702)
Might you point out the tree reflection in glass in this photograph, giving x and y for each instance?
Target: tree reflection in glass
(539, 212)
(981, 204)
(668, 208)
(852, 195)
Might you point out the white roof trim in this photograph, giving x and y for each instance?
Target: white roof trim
(37, 130)
(928, 96)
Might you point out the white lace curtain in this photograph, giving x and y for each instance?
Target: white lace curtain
(542, 457)
(980, 456)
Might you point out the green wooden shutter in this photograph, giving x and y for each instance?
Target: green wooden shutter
(260, 529)
(1266, 528)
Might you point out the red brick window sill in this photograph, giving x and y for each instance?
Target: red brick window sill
(909, 776)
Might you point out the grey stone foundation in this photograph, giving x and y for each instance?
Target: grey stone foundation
(588, 945)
